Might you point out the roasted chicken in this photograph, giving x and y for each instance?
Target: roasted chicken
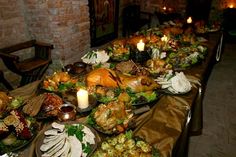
(137, 83)
(158, 66)
(103, 77)
(53, 82)
(109, 78)
(112, 117)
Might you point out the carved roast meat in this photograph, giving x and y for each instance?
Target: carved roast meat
(109, 78)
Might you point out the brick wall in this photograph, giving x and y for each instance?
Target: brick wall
(63, 23)
(13, 28)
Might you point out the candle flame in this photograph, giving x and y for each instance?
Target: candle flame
(164, 38)
(189, 20)
(231, 6)
(164, 8)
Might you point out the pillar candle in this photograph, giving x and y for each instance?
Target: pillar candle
(140, 45)
(82, 98)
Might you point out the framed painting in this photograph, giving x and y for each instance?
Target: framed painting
(103, 21)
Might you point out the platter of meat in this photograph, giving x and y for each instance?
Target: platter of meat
(109, 85)
(67, 139)
(43, 106)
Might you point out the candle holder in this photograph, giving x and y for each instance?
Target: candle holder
(67, 112)
(92, 103)
(140, 56)
(189, 24)
(71, 97)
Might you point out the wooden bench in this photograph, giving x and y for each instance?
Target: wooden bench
(29, 69)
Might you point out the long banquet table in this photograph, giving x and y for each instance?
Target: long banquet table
(170, 121)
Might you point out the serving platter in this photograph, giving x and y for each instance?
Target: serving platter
(111, 118)
(142, 100)
(125, 144)
(42, 136)
(171, 92)
(18, 142)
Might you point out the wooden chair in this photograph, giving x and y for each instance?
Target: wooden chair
(29, 69)
(5, 82)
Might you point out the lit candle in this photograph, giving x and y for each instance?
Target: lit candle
(140, 45)
(231, 6)
(82, 98)
(164, 8)
(164, 38)
(189, 20)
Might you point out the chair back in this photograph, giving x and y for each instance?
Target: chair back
(32, 68)
(229, 19)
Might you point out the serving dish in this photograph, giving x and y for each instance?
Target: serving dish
(59, 82)
(111, 118)
(50, 106)
(17, 131)
(174, 84)
(119, 50)
(125, 144)
(144, 98)
(83, 140)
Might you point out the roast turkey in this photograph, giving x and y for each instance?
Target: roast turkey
(110, 78)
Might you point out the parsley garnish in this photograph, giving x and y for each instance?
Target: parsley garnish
(76, 130)
(86, 148)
